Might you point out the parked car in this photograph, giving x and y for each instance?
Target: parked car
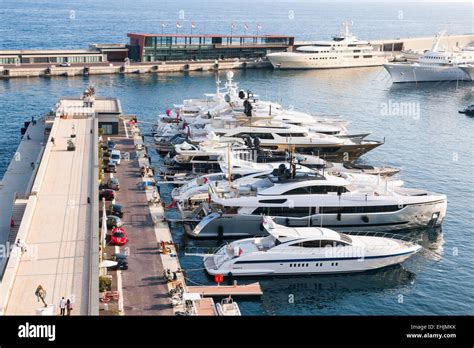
(113, 184)
(112, 221)
(111, 167)
(110, 145)
(116, 210)
(65, 64)
(107, 194)
(115, 157)
(119, 236)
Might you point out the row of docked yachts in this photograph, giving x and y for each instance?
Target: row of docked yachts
(289, 183)
(442, 62)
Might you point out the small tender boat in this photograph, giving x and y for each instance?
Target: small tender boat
(307, 250)
(469, 110)
(228, 307)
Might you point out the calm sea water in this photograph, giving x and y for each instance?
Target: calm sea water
(433, 145)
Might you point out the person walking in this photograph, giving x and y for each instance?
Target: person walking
(21, 245)
(62, 306)
(68, 307)
(52, 140)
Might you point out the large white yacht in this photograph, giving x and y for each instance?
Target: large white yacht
(279, 136)
(313, 199)
(310, 250)
(241, 175)
(437, 64)
(343, 51)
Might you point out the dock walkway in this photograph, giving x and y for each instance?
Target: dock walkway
(145, 291)
(253, 289)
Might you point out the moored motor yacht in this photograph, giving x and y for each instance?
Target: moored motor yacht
(285, 137)
(437, 64)
(307, 250)
(343, 51)
(313, 199)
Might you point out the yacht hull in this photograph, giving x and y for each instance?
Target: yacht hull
(292, 60)
(336, 153)
(413, 216)
(415, 73)
(469, 70)
(299, 264)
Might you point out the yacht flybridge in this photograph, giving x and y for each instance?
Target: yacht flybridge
(306, 250)
(312, 199)
(343, 51)
(437, 64)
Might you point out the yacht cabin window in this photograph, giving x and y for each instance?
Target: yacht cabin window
(319, 244)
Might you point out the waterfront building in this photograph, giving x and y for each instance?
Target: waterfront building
(162, 47)
(51, 56)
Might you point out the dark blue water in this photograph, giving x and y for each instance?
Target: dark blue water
(434, 147)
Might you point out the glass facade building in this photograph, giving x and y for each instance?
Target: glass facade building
(164, 47)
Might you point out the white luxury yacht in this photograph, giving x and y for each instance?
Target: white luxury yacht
(346, 203)
(437, 64)
(243, 174)
(307, 250)
(286, 137)
(343, 51)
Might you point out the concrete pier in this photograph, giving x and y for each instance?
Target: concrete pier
(56, 226)
(45, 70)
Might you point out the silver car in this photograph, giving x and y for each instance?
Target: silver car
(113, 184)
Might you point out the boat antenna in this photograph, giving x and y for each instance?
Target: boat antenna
(228, 163)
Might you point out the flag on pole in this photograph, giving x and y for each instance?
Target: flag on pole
(246, 27)
(163, 25)
(178, 25)
(193, 25)
(259, 27)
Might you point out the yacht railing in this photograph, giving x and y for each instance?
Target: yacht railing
(389, 235)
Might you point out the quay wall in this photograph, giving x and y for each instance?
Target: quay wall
(425, 43)
(7, 72)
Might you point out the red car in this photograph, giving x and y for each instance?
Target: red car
(108, 194)
(119, 236)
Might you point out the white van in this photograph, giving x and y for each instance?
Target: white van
(115, 157)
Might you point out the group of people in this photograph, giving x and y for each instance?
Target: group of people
(146, 171)
(65, 306)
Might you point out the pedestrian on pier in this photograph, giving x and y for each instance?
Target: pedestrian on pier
(68, 307)
(52, 140)
(62, 306)
(32, 164)
(21, 245)
(28, 136)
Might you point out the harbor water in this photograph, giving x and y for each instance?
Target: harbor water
(424, 134)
